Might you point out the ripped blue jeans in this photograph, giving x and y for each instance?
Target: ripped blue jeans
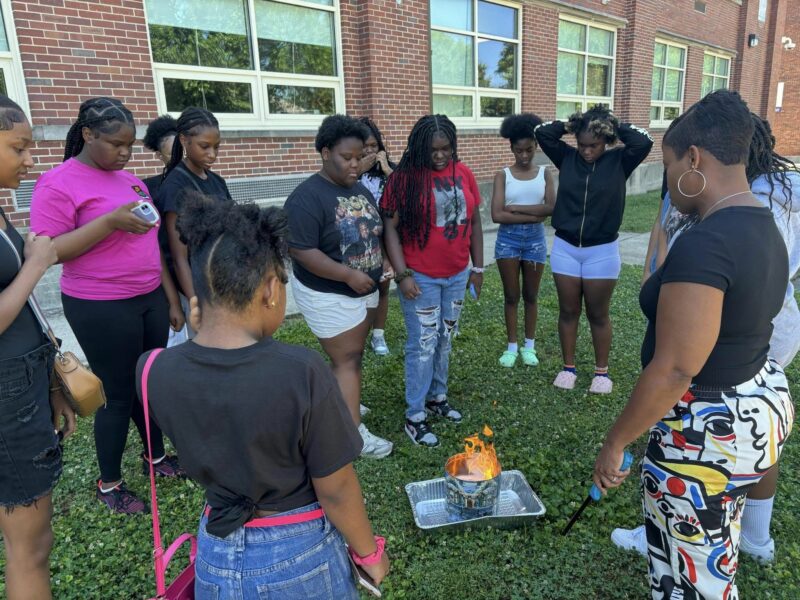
(431, 321)
(30, 453)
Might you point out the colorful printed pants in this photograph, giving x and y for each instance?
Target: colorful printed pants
(702, 459)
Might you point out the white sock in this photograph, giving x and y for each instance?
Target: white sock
(530, 344)
(377, 333)
(755, 520)
(106, 490)
(513, 347)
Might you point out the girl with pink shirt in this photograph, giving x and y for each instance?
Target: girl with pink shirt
(116, 292)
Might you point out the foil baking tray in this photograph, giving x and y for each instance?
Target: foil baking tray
(517, 504)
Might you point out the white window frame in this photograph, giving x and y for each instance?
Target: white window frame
(663, 104)
(260, 118)
(587, 101)
(476, 92)
(11, 62)
(727, 78)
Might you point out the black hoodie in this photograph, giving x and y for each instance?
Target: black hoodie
(591, 197)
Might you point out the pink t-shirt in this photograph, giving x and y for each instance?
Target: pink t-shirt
(123, 265)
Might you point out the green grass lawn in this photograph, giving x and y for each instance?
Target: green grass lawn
(551, 436)
(640, 212)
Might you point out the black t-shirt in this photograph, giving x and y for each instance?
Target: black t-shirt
(251, 425)
(172, 191)
(343, 223)
(153, 185)
(24, 334)
(737, 250)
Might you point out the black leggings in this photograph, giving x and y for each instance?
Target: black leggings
(113, 334)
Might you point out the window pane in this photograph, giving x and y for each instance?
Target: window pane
(497, 64)
(708, 64)
(212, 33)
(497, 107)
(451, 59)
(293, 39)
(455, 14)
(570, 73)
(658, 84)
(708, 85)
(3, 86)
(497, 20)
(565, 109)
(762, 10)
(720, 83)
(216, 96)
(3, 38)
(598, 77)
(571, 36)
(655, 112)
(671, 113)
(601, 41)
(452, 105)
(672, 87)
(722, 66)
(675, 57)
(660, 54)
(298, 100)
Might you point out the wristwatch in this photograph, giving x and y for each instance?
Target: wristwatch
(478, 270)
(402, 275)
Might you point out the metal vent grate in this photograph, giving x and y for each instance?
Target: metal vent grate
(264, 189)
(22, 195)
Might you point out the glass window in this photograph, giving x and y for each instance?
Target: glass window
(762, 10)
(4, 47)
(257, 62)
(12, 80)
(585, 72)
(716, 71)
(669, 72)
(475, 53)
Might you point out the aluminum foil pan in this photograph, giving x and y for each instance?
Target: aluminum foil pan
(517, 504)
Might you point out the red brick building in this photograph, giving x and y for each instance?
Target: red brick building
(271, 69)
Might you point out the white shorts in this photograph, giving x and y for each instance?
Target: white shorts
(593, 262)
(329, 315)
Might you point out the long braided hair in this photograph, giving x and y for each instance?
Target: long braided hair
(411, 185)
(189, 124)
(763, 160)
(100, 115)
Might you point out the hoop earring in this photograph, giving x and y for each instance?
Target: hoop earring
(703, 189)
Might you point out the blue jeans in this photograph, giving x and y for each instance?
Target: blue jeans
(304, 561)
(431, 320)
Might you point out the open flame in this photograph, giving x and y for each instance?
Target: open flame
(478, 462)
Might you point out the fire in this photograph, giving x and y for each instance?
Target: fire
(478, 462)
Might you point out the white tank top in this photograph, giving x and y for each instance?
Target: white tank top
(525, 193)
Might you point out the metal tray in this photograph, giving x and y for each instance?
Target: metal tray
(518, 504)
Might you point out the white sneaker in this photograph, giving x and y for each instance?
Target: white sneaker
(363, 410)
(374, 447)
(763, 554)
(631, 539)
(379, 346)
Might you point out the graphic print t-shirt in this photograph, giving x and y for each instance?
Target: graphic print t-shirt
(455, 199)
(343, 223)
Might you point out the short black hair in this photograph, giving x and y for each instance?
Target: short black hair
(599, 121)
(100, 115)
(10, 113)
(233, 247)
(720, 123)
(519, 127)
(338, 127)
(159, 129)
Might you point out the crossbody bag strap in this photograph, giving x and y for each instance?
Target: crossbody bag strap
(158, 550)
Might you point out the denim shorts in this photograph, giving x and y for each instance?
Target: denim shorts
(523, 241)
(303, 561)
(30, 452)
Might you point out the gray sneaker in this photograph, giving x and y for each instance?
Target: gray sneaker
(374, 447)
(379, 346)
(420, 433)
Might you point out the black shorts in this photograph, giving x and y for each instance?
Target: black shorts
(30, 452)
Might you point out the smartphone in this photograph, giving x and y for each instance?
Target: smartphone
(146, 212)
(363, 579)
(472, 291)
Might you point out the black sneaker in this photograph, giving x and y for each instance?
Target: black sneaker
(121, 500)
(420, 433)
(166, 467)
(442, 408)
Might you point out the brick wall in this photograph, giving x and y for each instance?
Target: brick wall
(785, 123)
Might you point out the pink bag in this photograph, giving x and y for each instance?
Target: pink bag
(183, 586)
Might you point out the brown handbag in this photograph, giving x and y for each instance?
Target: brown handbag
(83, 389)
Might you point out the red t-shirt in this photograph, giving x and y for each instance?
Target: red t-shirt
(454, 199)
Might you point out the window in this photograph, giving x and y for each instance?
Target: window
(716, 73)
(762, 10)
(700, 6)
(669, 74)
(585, 67)
(11, 76)
(253, 62)
(475, 57)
